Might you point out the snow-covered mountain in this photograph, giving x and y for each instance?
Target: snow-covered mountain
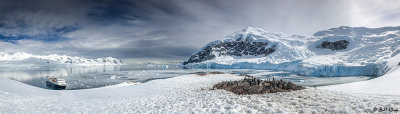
(342, 51)
(253, 45)
(63, 59)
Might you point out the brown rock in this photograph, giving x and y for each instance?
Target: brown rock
(251, 85)
(217, 72)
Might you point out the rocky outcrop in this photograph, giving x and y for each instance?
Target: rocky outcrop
(206, 73)
(248, 42)
(234, 48)
(251, 85)
(338, 45)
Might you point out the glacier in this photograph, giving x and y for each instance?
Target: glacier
(297, 68)
(342, 51)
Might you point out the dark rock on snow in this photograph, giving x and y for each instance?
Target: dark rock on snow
(200, 73)
(251, 85)
(206, 73)
(338, 45)
(235, 48)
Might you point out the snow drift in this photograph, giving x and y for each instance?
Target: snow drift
(384, 85)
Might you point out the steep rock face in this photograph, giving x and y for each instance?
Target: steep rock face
(253, 43)
(338, 45)
(235, 48)
(248, 42)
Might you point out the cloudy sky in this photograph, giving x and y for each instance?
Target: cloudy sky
(169, 28)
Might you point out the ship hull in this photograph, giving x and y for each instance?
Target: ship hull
(55, 86)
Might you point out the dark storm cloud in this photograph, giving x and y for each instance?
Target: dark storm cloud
(168, 28)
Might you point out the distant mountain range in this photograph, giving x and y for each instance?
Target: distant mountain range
(63, 59)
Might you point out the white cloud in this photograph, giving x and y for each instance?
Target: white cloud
(375, 13)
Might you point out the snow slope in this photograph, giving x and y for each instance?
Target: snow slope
(63, 59)
(384, 85)
(289, 48)
(343, 51)
(183, 94)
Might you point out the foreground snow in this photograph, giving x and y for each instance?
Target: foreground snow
(384, 85)
(183, 94)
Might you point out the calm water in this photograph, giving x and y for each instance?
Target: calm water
(83, 77)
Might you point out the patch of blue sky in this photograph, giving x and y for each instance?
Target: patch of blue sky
(53, 35)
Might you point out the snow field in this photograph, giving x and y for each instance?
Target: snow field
(385, 85)
(183, 94)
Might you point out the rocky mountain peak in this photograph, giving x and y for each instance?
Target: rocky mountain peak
(249, 41)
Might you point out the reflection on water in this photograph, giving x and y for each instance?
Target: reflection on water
(28, 74)
(79, 77)
(82, 77)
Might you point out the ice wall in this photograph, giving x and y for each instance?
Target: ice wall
(298, 68)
